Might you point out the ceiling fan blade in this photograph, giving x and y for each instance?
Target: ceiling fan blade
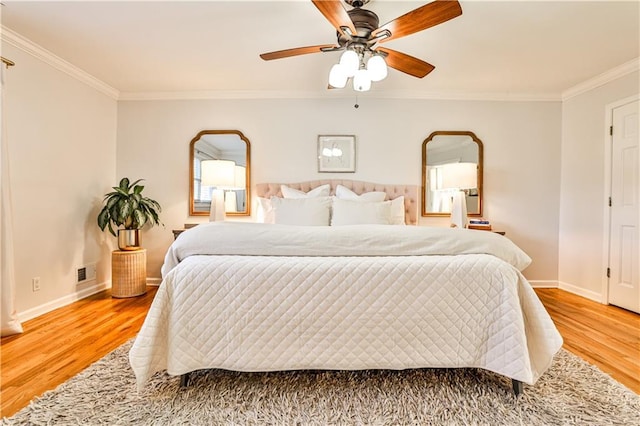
(336, 14)
(295, 51)
(406, 63)
(419, 19)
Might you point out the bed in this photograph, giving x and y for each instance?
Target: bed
(344, 295)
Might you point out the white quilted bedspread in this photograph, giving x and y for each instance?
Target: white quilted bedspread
(266, 313)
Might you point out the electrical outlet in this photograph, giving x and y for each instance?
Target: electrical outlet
(35, 284)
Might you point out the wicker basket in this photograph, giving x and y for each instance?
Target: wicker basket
(128, 273)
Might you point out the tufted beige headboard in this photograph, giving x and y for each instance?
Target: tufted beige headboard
(410, 192)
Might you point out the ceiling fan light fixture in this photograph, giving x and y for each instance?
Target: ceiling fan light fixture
(358, 32)
(361, 81)
(377, 68)
(338, 77)
(350, 62)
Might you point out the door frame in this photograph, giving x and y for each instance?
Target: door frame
(608, 147)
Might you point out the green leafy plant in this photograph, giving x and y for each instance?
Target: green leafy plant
(127, 207)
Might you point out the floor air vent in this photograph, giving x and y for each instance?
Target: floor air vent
(82, 274)
(85, 273)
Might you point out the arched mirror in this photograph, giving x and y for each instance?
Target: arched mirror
(451, 161)
(207, 147)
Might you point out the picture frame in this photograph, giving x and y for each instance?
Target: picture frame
(336, 153)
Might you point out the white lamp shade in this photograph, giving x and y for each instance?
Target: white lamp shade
(350, 62)
(460, 176)
(361, 81)
(338, 77)
(240, 177)
(377, 68)
(218, 173)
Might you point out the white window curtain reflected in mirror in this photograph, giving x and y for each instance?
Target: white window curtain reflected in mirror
(227, 145)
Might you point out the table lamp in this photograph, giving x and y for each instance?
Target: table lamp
(461, 177)
(219, 174)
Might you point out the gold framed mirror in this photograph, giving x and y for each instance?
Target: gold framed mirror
(444, 153)
(230, 146)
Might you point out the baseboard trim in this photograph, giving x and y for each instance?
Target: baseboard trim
(63, 301)
(70, 298)
(544, 284)
(588, 294)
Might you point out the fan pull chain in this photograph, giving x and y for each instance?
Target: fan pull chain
(356, 106)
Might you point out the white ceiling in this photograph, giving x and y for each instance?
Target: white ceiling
(537, 48)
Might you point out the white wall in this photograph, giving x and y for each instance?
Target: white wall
(61, 135)
(521, 140)
(583, 190)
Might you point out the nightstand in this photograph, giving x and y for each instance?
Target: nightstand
(490, 230)
(177, 232)
(128, 273)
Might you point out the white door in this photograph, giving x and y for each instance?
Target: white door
(624, 263)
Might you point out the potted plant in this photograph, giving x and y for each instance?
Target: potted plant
(127, 207)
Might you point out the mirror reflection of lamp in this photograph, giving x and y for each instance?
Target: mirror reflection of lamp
(461, 177)
(240, 181)
(219, 174)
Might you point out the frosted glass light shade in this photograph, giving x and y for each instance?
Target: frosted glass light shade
(377, 68)
(361, 81)
(218, 173)
(337, 76)
(350, 62)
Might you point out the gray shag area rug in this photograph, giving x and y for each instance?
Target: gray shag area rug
(572, 392)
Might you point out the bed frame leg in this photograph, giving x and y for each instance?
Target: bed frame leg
(184, 380)
(518, 386)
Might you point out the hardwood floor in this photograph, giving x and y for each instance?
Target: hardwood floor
(604, 335)
(58, 345)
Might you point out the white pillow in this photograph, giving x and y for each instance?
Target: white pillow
(345, 193)
(301, 211)
(397, 211)
(349, 212)
(265, 211)
(321, 191)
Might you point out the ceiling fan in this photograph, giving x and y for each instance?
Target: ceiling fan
(359, 36)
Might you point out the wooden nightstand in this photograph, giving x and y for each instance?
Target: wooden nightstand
(128, 273)
(490, 230)
(177, 232)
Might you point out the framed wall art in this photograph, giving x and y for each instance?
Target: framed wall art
(336, 153)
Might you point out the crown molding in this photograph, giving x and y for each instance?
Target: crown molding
(337, 94)
(39, 52)
(602, 79)
(468, 96)
(222, 94)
